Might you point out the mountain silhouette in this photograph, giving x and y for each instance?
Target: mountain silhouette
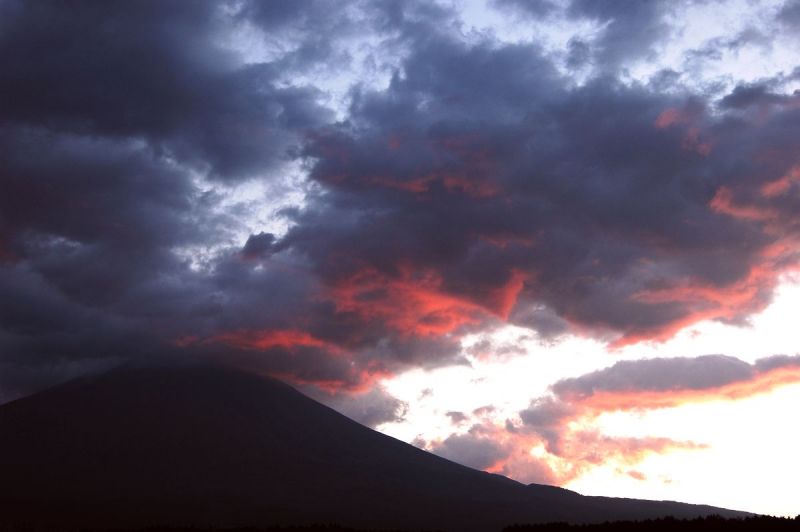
(213, 447)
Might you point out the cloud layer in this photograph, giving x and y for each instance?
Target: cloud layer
(480, 185)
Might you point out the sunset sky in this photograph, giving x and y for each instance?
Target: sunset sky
(556, 240)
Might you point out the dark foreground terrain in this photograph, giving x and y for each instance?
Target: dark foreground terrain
(215, 448)
(701, 524)
(668, 524)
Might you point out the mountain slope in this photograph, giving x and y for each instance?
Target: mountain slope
(210, 446)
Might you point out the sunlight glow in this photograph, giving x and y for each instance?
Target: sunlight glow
(745, 442)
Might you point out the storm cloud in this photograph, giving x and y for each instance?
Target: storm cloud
(478, 185)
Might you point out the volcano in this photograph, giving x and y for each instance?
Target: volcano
(215, 447)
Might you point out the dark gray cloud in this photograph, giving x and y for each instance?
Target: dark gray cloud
(258, 246)
(112, 111)
(479, 186)
(117, 112)
(658, 374)
(456, 417)
(531, 8)
(630, 28)
(483, 410)
(789, 15)
(471, 449)
(744, 96)
(371, 408)
(626, 30)
(160, 72)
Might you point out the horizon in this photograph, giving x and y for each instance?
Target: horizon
(556, 240)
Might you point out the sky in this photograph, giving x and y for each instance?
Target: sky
(556, 240)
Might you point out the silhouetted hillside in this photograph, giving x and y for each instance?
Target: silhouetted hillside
(668, 524)
(701, 524)
(210, 447)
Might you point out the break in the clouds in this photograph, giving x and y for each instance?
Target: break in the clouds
(561, 426)
(446, 181)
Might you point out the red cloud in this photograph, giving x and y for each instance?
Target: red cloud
(451, 182)
(781, 185)
(702, 301)
(357, 380)
(411, 305)
(416, 304)
(669, 117)
(409, 310)
(693, 138)
(263, 340)
(723, 202)
(365, 381)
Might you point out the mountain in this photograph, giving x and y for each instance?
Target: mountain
(217, 447)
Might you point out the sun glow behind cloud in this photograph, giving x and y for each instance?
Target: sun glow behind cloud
(744, 464)
(742, 444)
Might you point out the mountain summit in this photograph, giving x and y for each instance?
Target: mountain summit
(207, 446)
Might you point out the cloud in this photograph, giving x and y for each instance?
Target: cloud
(639, 385)
(154, 71)
(789, 15)
(630, 29)
(258, 246)
(478, 186)
(471, 449)
(120, 111)
(553, 441)
(532, 8)
(519, 455)
(372, 408)
(130, 125)
(456, 418)
(550, 206)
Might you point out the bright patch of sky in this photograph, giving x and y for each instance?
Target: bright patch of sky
(248, 208)
(758, 427)
(749, 462)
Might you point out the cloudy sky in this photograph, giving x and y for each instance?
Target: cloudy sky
(557, 240)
